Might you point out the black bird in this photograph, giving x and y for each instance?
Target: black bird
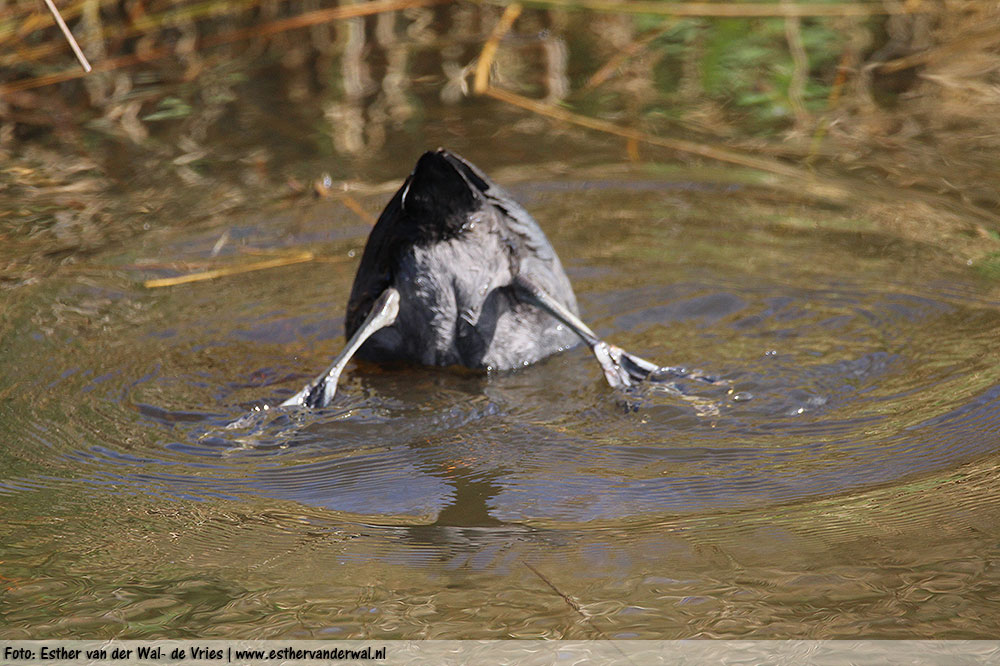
(455, 272)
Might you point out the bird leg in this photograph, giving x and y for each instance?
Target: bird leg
(620, 368)
(320, 391)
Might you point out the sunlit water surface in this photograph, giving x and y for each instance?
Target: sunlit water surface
(838, 478)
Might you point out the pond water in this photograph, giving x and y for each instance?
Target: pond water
(838, 479)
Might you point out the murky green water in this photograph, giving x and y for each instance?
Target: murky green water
(838, 480)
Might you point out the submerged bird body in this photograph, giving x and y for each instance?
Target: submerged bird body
(452, 242)
(455, 272)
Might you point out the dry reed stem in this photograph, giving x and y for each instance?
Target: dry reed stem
(723, 9)
(24, 17)
(576, 607)
(825, 190)
(69, 36)
(844, 68)
(967, 44)
(297, 258)
(358, 209)
(633, 49)
(632, 149)
(800, 70)
(146, 23)
(568, 599)
(281, 25)
(489, 52)
(321, 16)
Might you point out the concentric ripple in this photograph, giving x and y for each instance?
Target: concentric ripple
(818, 378)
(815, 392)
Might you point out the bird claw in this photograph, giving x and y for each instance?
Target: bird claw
(621, 369)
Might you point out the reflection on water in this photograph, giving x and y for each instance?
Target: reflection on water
(838, 479)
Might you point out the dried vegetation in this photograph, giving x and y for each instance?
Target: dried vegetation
(832, 96)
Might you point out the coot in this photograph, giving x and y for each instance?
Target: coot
(455, 272)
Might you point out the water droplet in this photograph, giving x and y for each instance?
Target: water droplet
(661, 374)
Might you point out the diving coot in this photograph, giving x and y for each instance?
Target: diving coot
(456, 272)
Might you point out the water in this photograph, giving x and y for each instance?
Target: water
(837, 479)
